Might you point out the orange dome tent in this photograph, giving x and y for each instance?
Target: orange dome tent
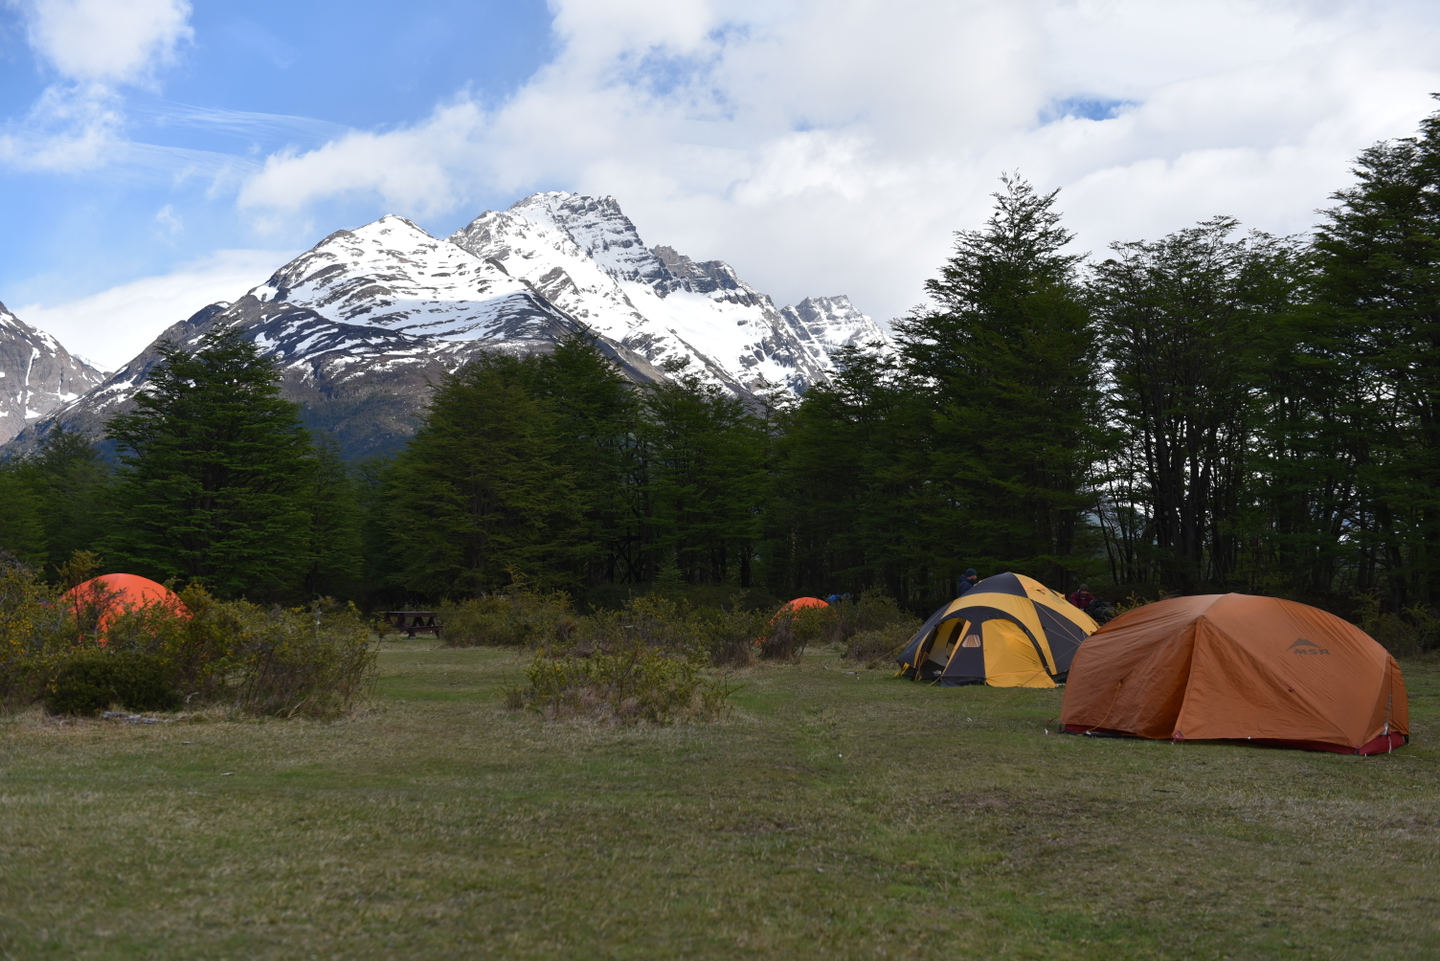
(790, 608)
(800, 603)
(1238, 667)
(114, 594)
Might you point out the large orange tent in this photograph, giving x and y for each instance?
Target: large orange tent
(114, 594)
(1238, 667)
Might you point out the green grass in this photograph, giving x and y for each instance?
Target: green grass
(833, 815)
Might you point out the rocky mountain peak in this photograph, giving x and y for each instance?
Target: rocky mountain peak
(37, 375)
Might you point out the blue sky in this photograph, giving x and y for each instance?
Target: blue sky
(157, 155)
(253, 79)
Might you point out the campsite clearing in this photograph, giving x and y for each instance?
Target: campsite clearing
(837, 813)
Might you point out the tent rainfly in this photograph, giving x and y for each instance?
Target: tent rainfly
(110, 595)
(1009, 630)
(1238, 667)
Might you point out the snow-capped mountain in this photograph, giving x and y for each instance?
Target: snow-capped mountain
(586, 257)
(368, 320)
(37, 375)
(362, 325)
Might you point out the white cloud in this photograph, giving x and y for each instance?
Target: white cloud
(827, 146)
(107, 41)
(95, 46)
(111, 327)
(166, 218)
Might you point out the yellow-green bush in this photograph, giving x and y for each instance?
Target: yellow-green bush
(513, 619)
(638, 683)
(297, 661)
(1415, 631)
(312, 661)
(875, 647)
(37, 633)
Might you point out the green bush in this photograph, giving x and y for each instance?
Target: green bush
(636, 684)
(313, 662)
(729, 633)
(882, 644)
(37, 633)
(1416, 631)
(513, 619)
(91, 681)
(876, 629)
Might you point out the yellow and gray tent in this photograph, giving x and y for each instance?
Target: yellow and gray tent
(1009, 630)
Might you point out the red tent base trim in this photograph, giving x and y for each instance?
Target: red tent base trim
(1383, 744)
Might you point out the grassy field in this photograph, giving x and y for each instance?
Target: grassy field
(835, 814)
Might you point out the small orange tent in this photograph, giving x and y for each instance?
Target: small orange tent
(1235, 666)
(800, 603)
(115, 594)
(791, 608)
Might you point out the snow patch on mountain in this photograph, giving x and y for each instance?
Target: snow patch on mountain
(586, 257)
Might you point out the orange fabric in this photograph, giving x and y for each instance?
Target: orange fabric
(119, 593)
(1220, 666)
(801, 602)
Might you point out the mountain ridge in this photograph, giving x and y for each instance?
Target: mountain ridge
(366, 321)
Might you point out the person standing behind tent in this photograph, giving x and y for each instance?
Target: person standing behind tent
(967, 581)
(1082, 598)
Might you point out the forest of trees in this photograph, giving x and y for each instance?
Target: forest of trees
(1215, 409)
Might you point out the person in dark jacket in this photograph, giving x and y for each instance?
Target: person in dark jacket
(1082, 598)
(967, 581)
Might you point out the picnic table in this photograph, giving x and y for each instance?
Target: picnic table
(413, 622)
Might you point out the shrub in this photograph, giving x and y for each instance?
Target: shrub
(37, 633)
(875, 610)
(729, 634)
(878, 629)
(299, 661)
(638, 683)
(791, 631)
(882, 644)
(1415, 631)
(91, 681)
(277, 662)
(513, 619)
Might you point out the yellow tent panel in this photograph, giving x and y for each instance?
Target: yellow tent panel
(1007, 631)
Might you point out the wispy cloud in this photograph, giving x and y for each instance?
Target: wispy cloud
(247, 125)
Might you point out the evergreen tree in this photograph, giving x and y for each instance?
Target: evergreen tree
(336, 560)
(214, 465)
(482, 491)
(596, 412)
(380, 567)
(70, 479)
(704, 460)
(22, 524)
(847, 486)
(1006, 355)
